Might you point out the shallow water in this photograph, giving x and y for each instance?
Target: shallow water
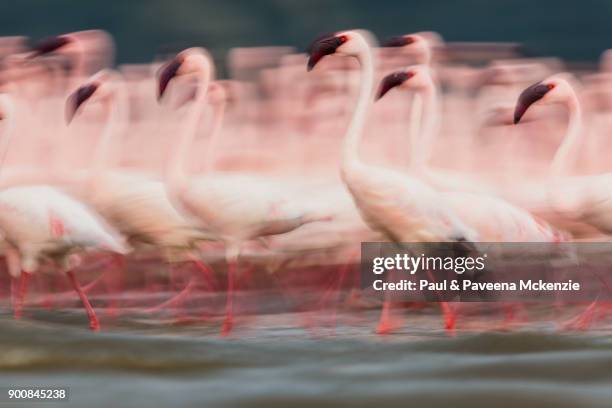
(272, 361)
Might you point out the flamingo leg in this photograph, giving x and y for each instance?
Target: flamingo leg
(336, 290)
(228, 323)
(177, 299)
(450, 317)
(206, 270)
(94, 325)
(23, 289)
(191, 285)
(387, 322)
(583, 320)
(114, 285)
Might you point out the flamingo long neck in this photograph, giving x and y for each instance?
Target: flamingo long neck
(175, 172)
(112, 129)
(350, 150)
(9, 131)
(213, 142)
(422, 143)
(566, 153)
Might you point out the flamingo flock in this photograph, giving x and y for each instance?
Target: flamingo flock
(292, 163)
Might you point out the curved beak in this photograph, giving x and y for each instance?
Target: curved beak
(391, 81)
(166, 74)
(77, 98)
(527, 98)
(321, 47)
(48, 45)
(398, 41)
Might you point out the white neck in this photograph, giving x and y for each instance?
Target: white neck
(352, 138)
(213, 142)
(175, 170)
(422, 144)
(9, 130)
(565, 156)
(116, 117)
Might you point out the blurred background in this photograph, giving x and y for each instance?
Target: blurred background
(576, 31)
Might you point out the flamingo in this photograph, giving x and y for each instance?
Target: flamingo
(235, 207)
(40, 223)
(399, 206)
(422, 46)
(582, 198)
(495, 219)
(136, 203)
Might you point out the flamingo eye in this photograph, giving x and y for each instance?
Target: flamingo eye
(550, 86)
(343, 38)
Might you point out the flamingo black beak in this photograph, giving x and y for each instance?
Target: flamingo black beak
(77, 98)
(166, 74)
(398, 41)
(391, 81)
(49, 45)
(325, 45)
(528, 97)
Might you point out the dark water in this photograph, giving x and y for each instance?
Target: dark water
(271, 361)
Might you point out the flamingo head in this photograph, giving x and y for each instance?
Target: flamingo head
(58, 43)
(190, 61)
(415, 78)
(555, 89)
(65, 46)
(417, 44)
(100, 87)
(349, 43)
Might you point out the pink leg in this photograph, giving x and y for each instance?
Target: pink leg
(94, 325)
(228, 323)
(13, 294)
(23, 289)
(206, 270)
(114, 285)
(387, 323)
(175, 300)
(584, 320)
(384, 325)
(450, 317)
(337, 290)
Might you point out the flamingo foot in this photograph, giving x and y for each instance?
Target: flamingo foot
(175, 300)
(387, 326)
(207, 272)
(228, 323)
(387, 323)
(583, 321)
(94, 324)
(23, 289)
(228, 326)
(511, 317)
(450, 318)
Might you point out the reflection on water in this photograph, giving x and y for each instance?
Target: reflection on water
(273, 362)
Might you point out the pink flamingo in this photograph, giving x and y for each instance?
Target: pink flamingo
(40, 223)
(495, 220)
(135, 203)
(236, 208)
(401, 207)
